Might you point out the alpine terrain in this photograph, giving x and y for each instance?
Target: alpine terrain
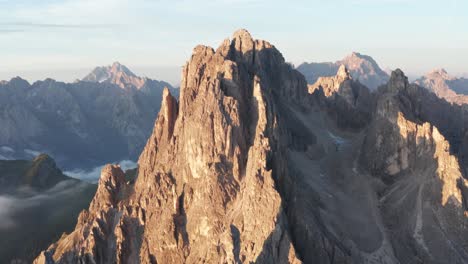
(254, 165)
(444, 85)
(104, 118)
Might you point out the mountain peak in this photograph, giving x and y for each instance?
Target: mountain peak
(365, 69)
(243, 41)
(356, 54)
(119, 68)
(446, 86)
(440, 72)
(357, 57)
(43, 172)
(44, 158)
(209, 153)
(116, 74)
(343, 72)
(361, 67)
(397, 74)
(331, 85)
(121, 76)
(242, 34)
(18, 82)
(398, 81)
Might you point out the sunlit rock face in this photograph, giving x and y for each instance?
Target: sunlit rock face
(205, 189)
(347, 101)
(252, 165)
(331, 85)
(450, 88)
(424, 188)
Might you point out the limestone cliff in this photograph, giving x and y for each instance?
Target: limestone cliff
(347, 101)
(421, 176)
(206, 187)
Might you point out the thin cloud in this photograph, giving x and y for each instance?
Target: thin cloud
(93, 175)
(8, 31)
(26, 199)
(75, 12)
(6, 207)
(22, 26)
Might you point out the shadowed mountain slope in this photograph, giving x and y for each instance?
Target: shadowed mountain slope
(81, 124)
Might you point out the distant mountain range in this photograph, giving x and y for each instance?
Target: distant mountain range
(121, 76)
(361, 67)
(446, 86)
(105, 117)
(365, 69)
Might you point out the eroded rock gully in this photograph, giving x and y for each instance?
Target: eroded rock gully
(248, 167)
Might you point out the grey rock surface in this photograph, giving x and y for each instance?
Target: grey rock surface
(81, 124)
(252, 165)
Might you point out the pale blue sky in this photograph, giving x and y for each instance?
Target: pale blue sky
(64, 39)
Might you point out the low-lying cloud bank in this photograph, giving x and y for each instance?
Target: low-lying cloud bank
(93, 175)
(26, 199)
(6, 209)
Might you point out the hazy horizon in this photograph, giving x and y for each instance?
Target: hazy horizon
(65, 40)
(168, 74)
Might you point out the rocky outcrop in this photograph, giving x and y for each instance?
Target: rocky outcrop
(94, 237)
(41, 173)
(450, 118)
(363, 68)
(83, 124)
(452, 89)
(331, 85)
(422, 178)
(348, 102)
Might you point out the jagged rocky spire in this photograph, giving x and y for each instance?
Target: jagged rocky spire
(205, 190)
